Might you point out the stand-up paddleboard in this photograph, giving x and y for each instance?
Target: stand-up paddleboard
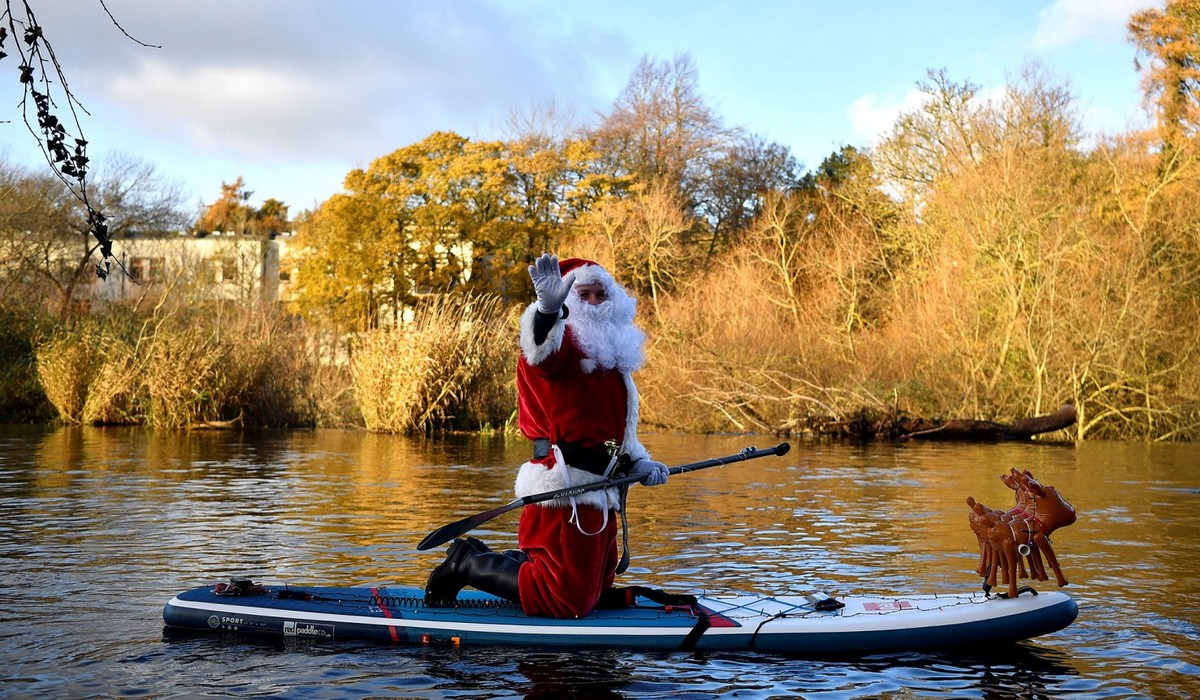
(806, 624)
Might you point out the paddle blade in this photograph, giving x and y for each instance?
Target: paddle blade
(445, 533)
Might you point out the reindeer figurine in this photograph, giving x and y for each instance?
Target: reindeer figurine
(1009, 539)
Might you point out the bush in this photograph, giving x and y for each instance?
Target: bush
(22, 398)
(66, 365)
(263, 373)
(252, 368)
(450, 366)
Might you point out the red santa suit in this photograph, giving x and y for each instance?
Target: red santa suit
(573, 397)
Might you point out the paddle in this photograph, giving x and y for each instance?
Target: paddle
(446, 533)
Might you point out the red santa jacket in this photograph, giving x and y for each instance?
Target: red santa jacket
(563, 396)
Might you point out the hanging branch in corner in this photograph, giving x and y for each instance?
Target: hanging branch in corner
(59, 137)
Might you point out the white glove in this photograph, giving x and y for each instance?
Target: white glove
(655, 472)
(551, 287)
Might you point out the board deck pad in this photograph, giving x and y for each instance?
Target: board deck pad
(865, 623)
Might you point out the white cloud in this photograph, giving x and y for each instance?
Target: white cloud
(872, 116)
(253, 111)
(1066, 22)
(317, 80)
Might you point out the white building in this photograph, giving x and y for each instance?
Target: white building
(217, 266)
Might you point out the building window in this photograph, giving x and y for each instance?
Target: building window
(146, 269)
(224, 269)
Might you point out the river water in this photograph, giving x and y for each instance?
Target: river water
(100, 527)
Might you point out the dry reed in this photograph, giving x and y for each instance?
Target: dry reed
(263, 372)
(66, 366)
(179, 375)
(453, 357)
(113, 396)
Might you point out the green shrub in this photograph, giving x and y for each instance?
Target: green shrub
(22, 398)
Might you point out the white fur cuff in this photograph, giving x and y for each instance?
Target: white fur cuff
(537, 353)
(534, 478)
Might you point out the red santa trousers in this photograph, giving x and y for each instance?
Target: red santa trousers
(567, 569)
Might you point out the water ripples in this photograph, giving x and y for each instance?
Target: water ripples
(99, 528)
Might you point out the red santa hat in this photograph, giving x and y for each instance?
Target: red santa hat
(586, 271)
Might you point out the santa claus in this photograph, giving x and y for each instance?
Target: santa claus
(578, 404)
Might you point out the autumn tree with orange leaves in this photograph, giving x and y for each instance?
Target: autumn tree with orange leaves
(230, 213)
(1168, 43)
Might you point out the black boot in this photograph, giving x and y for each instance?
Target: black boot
(488, 571)
(481, 547)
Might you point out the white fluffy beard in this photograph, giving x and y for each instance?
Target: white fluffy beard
(605, 332)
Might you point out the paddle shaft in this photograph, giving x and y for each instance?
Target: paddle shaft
(446, 533)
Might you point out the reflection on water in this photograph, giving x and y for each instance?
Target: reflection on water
(100, 527)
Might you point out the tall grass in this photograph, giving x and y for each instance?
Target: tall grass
(266, 372)
(176, 370)
(113, 396)
(67, 364)
(450, 366)
(180, 370)
(1031, 277)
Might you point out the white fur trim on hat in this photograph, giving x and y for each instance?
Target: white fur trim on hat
(593, 274)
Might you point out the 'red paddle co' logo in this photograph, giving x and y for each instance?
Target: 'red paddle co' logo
(291, 628)
(889, 606)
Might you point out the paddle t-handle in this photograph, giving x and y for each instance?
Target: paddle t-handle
(446, 533)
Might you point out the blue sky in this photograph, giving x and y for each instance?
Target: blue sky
(292, 94)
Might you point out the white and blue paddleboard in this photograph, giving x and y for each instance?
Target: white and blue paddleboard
(802, 624)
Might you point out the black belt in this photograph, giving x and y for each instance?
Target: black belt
(590, 459)
(596, 461)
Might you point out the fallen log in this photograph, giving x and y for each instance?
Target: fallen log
(217, 424)
(967, 429)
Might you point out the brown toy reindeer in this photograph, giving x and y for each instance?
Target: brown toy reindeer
(1009, 539)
